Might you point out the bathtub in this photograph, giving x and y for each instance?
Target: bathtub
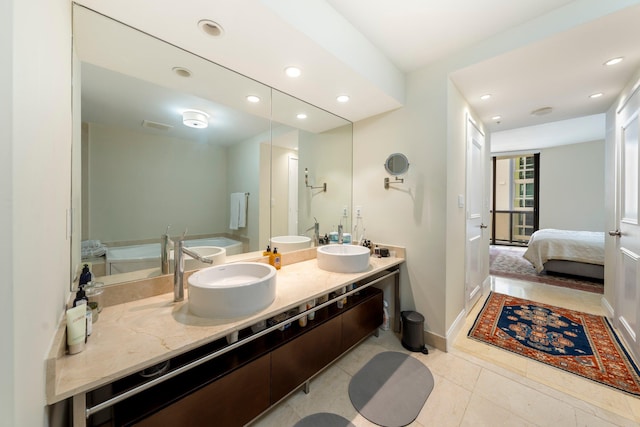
(124, 259)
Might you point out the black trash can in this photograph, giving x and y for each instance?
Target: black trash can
(412, 331)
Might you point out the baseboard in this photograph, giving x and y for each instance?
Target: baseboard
(608, 309)
(455, 328)
(434, 340)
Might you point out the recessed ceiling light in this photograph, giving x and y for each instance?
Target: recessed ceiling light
(343, 98)
(614, 61)
(496, 117)
(485, 97)
(253, 98)
(181, 71)
(293, 71)
(301, 116)
(596, 95)
(211, 28)
(195, 119)
(542, 111)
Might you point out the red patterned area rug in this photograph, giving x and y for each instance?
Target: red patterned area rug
(507, 261)
(580, 343)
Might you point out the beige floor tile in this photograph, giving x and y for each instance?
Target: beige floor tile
(525, 402)
(484, 413)
(279, 416)
(445, 406)
(455, 369)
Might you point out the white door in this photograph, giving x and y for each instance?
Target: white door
(475, 214)
(627, 282)
(292, 213)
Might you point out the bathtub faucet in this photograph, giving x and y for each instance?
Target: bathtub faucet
(165, 248)
(178, 266)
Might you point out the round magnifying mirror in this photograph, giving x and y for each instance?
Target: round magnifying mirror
(397, 164)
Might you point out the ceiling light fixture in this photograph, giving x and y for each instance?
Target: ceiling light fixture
(485, 97)
(293, 71)
(614, 61)
(596, 95)
(301, 116)
(195, 119)
(343, 98)
(253, 98)
(496, 118)
(211, 28)
(182, 72)
(542, 111)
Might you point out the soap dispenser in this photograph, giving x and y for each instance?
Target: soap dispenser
(275, 259)
(85, 275)
(81, 297)
(267, 252)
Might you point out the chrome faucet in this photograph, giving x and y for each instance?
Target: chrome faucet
(178, 267)
(316, 232)
(165, 249)
(340, 240)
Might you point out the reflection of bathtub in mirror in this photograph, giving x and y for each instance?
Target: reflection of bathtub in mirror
(125, 259)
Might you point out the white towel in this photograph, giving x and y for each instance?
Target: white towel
(238, 211)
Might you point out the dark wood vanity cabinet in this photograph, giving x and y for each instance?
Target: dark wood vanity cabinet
(234, 399)
(239, 385)
(295, 362)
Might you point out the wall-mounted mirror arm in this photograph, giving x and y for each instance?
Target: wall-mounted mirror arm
(306, 182)
(388, 182)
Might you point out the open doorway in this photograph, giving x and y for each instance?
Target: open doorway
(515, 198)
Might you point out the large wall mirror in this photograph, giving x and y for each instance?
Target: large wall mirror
(137, 169)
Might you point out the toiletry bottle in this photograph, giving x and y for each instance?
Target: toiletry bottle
(85, 275)
(385, 317)
(267, 252)
(275, 259)
(81, 297)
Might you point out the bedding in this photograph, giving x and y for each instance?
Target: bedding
(565, 245)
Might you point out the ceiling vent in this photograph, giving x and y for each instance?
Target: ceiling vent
(156, 125)
(541, 111)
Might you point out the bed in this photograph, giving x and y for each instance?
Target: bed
(578, 253)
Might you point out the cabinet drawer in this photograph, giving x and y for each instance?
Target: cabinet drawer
(295, 362)
(233, 400)
(361, 321)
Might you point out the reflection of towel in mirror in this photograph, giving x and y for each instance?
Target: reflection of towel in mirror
(238, 212)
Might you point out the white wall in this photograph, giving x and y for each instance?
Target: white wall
(572, 187)
(7, 399)
(35, 197)
(157, 180)
(412, 214)
(328, 156)
(244, 177)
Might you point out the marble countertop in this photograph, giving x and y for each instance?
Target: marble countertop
(132, 336)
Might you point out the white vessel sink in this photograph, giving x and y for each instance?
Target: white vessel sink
(343, 258)
(290, 243)
(215, 253)
(232, 290)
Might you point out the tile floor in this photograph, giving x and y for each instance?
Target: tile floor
(476, 384)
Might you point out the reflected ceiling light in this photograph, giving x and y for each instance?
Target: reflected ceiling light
(343, 98)
(596, 95)
(496, 117)
(195, 119)
(614, 61)
(182, 72)
(485, 97)
(293, 71)
(253, 98)
(211, 28)
(301, 116)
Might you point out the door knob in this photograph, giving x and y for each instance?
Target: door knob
(483, 226)
(615, 233)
